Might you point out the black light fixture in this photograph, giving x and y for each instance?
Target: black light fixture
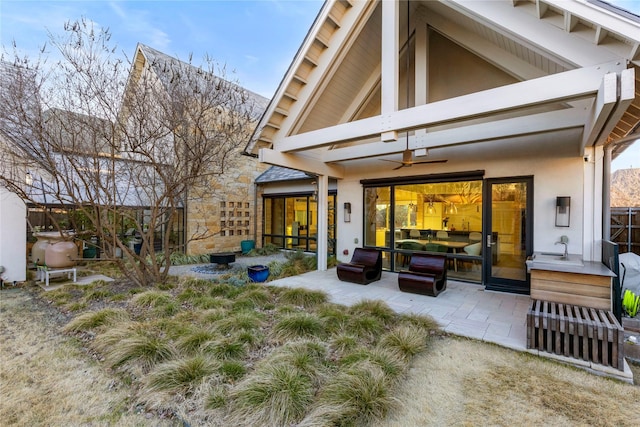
(347, 212)
(563, 210)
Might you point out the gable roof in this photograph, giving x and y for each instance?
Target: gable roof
(280, 174)
(165, 67)
(551, 46)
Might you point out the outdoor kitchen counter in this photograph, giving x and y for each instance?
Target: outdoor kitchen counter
(588, 267)
(585, 283)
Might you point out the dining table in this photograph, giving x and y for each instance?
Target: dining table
(450, 244)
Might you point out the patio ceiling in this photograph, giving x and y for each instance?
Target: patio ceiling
(555, 96)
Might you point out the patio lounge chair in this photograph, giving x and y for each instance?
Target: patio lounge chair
(427, 275)
(365, 267)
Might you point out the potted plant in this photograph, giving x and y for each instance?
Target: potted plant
(631, 305)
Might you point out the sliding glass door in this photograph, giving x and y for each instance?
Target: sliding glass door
(508, 233)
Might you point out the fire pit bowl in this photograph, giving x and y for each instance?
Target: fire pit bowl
(222, 259)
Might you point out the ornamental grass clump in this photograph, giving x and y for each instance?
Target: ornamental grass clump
(96, 319)
(378, 309)
(232, 370)
(358, 395)
(391, 362)
(240, 321)
(308, 357)
(193, 342)
(152, 299)
(179, 375)
(127, 346)
(274, 395)
(225, 348)
(297, 325)
(365, 327)
(303, 297)
(405, 341)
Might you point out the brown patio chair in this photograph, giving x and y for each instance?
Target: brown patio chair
(427, 275)
(365, 267)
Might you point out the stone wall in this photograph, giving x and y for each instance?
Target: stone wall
(222, 213)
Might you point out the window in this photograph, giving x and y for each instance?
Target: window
(292, 222)
(425, 213)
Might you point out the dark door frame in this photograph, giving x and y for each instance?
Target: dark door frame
(500, 283)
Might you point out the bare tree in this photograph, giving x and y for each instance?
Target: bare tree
(112, 138)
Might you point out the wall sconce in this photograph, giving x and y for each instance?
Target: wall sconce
(563, 209)
(347, 212)
(28, 179)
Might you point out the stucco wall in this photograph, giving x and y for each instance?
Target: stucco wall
(13, 229)
(552, 177)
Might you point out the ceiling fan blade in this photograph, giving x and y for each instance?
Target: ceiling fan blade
(429, 161)
(392, 161)
(401, 166)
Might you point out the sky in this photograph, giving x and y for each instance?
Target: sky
(255, 40)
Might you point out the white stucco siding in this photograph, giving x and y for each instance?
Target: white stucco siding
(552, 177)
(13, 229)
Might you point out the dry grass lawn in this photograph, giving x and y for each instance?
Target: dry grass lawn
(46, 378)
(468, 383)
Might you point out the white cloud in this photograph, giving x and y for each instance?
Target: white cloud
(136, 24)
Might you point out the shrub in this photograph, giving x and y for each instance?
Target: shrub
(274, 395)
(631, 303)
(268, 249)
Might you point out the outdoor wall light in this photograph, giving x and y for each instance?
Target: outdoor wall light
(563, 209)
(28, 179)
(347, 212)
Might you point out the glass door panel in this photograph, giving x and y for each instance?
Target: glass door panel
(508, 232)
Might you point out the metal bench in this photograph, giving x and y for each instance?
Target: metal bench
(44, 273)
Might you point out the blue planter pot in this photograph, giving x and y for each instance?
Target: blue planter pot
(258, 273)
(246, 246)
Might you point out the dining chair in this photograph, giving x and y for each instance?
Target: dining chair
(442, 235)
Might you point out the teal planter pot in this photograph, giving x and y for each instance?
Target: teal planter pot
(247, 246)
(258, 273)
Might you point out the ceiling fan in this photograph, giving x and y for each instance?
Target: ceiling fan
(407, 160)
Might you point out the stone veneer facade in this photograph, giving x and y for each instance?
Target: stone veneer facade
(228, 211)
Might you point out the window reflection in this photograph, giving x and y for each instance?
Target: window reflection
(437, 217)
